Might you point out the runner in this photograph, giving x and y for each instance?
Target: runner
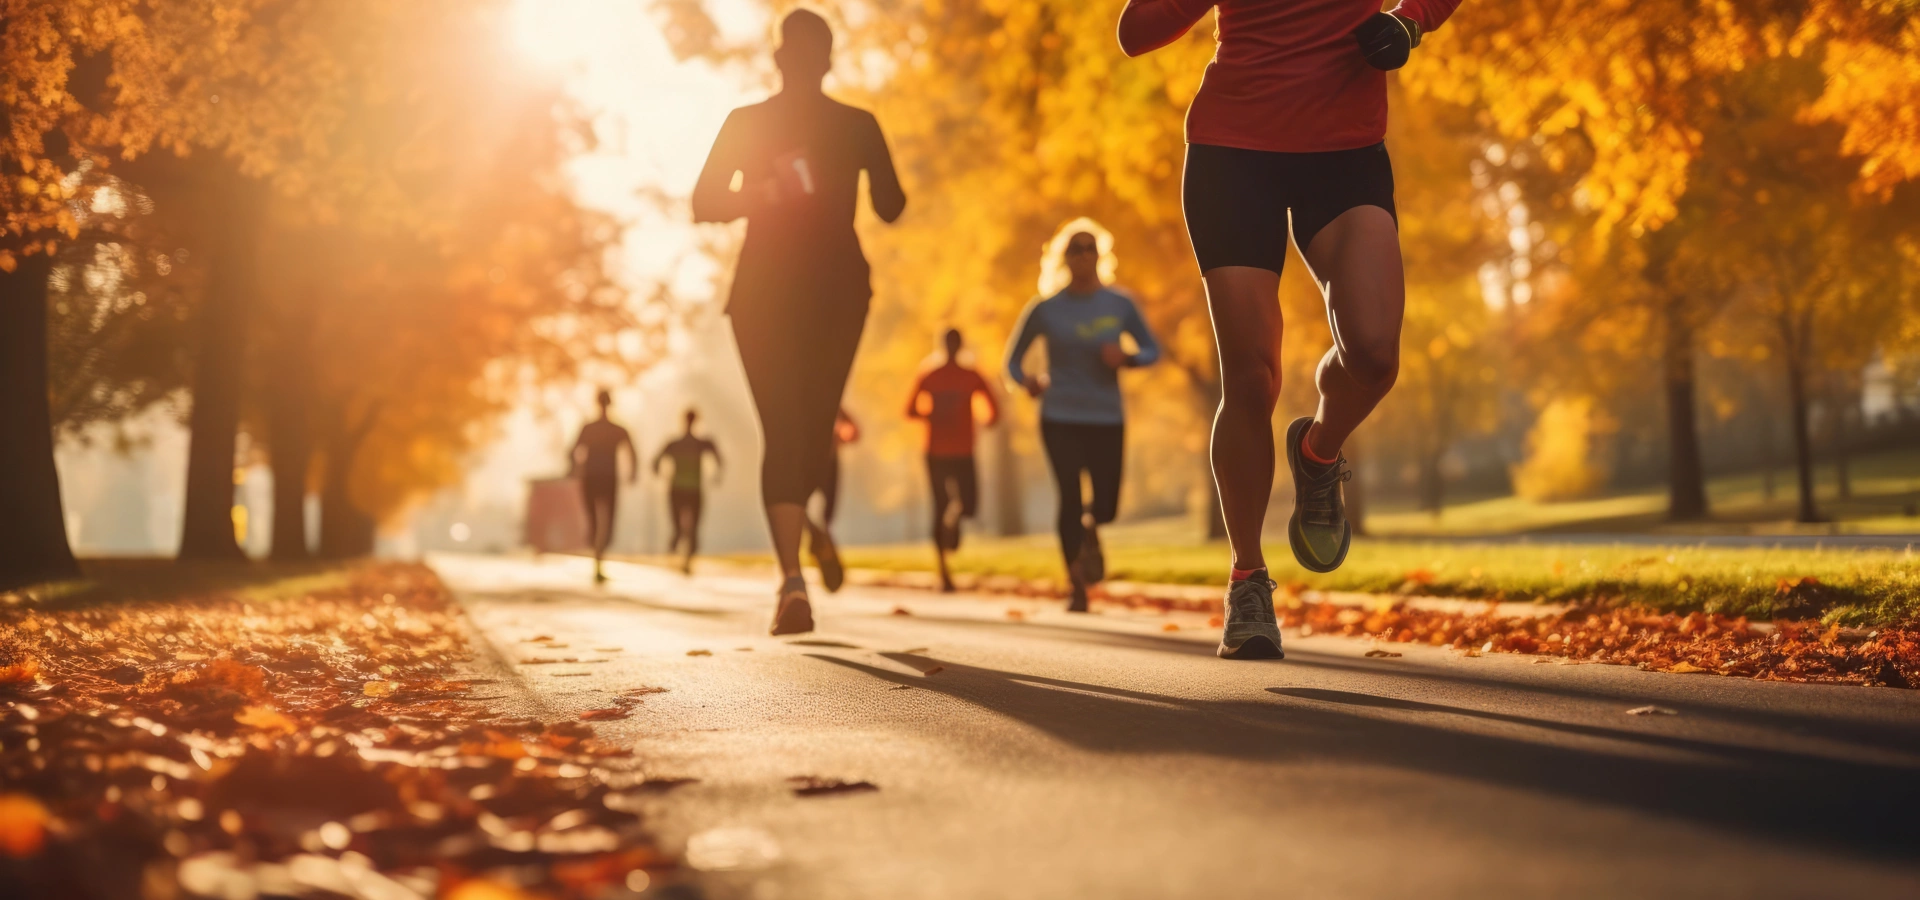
(685, 499)
(1082, 419)
(595, 460)
(799, 296)
(948, 412)
(845, 431)
(1289, 125)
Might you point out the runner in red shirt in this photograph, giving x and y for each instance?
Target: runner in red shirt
(948, 411)
(1288, 130)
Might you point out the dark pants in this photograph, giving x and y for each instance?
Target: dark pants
(953, 478)
(797, 362)
(685, 505)
(1096, 450)
(602, 497)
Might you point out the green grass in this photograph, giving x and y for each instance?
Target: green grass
(1858, 587)
(1885, 487)
(122, 579)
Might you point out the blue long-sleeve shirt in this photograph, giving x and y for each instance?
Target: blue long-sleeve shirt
(1083, 389)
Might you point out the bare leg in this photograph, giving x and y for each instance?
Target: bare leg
(1245, 305)
(1356, 262)
(787, 521)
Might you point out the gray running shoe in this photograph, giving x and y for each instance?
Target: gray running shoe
(1252, 630)
(1318, 531)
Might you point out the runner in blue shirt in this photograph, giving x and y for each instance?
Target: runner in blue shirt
(1082, 418)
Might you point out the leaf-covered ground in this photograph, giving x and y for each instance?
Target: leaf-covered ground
(322, 736)
(1607, 633)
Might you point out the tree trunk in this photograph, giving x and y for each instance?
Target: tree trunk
(1008, 500)
(232, 281)
(1432, 488)
(1802, 440)
(290, 440)
(345, 531)
(1766, 455)
(1686, 479)
(1843, 409)
(33, 532)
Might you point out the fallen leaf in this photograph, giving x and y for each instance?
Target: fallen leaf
(813, 786)
(935, 670)
(1016, 615)
(699, 652)
(266, 718)
(902, 611)
(380, 688)
(1651, 711)
(538, 638)
(1382, 654)
(1215, 621)
(1684, 668)
(23, 825)
(1170, 626)
(611, 712)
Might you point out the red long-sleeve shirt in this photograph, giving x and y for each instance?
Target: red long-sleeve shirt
(1287, 75)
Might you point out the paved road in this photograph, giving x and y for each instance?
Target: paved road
(1105, 756)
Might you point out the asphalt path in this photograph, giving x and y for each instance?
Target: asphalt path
(1017, 751)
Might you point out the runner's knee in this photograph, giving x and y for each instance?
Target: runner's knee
(1374, 366)
(1251, 384)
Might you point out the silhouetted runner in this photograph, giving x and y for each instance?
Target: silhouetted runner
(594, 459)
(948, 411)
(686, 487)
(1082, 417)
(799, 297)
(1287, 133)
(845, 431)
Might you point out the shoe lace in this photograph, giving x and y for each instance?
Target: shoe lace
(1320, 500)
(1252, 600)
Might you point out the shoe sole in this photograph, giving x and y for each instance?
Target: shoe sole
(1301, 553)
(1256, 647)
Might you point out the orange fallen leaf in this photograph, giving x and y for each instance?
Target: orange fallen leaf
(612, 712)
(1684, 668)
(1016, 615)
(902, 611)
(1215, 621)
(1170, 626)
(380, 688)
(23, 825)
(266, 718)
(699, 652)
(935, 670)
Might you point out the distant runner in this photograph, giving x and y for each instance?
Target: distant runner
(1082, 419)
(1288, 135)
(595, 460)
(799, 297)
(685, 497)
(845, 431)
(948, 411)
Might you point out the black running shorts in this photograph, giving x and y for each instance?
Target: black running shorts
(1237, 201)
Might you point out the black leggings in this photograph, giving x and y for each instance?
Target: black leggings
(797, 362)
(1096, 450)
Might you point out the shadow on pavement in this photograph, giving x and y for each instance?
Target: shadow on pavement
(1856, 808)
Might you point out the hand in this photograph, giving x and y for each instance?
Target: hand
(1035, 385)
(1113, 356)
(1387, 40)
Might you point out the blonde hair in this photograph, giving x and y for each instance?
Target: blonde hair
(1054, 275)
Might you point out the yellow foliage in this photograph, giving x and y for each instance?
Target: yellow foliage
(1562, 461)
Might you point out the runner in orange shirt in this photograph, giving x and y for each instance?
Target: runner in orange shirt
(948, 411)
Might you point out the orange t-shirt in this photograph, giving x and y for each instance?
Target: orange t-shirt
(950, 418)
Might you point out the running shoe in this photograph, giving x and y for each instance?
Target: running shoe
(1252, 630)
(1318, 531)
(1093, 560)
(1076, 588)
(794, 614)
(820, 543)
(949, 537)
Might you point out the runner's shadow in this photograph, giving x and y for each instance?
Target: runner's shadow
(1857, 808)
